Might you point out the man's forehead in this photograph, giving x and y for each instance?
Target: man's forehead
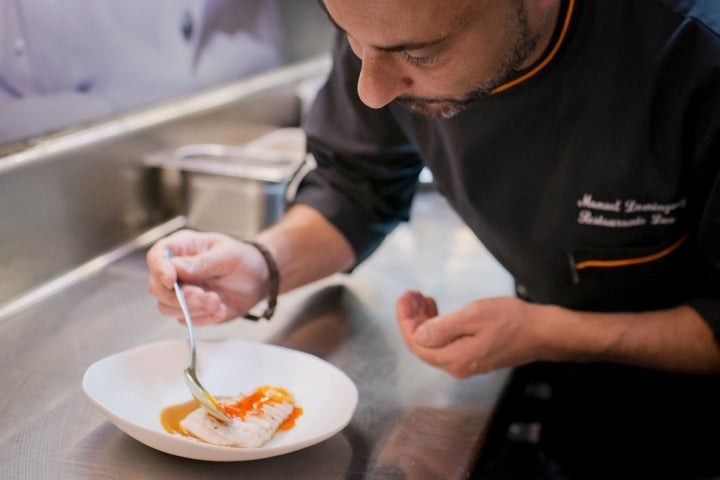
(417, 5)
(390, 21)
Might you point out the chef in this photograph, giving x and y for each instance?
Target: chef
(580, 141)
(70, 61)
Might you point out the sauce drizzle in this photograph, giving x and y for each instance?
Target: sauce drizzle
(252, 404)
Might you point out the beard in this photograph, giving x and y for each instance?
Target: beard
(525, 42)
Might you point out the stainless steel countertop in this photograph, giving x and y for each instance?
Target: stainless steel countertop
(412, 421)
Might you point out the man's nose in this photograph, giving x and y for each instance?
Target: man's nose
(380, 82)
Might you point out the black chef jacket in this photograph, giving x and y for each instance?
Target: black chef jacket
(593, 180)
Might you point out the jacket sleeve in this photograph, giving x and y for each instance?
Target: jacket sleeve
(366, 174)
(709, 239)
(706, 161)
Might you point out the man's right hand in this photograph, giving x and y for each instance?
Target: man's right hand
(222, 277)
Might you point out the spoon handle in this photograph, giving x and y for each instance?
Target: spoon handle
(186, 314)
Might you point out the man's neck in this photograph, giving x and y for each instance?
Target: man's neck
(543, 22)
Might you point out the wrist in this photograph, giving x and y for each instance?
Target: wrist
(272, 282)
(573, 336)
(558, 331)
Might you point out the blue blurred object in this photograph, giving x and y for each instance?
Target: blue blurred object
(73, 61)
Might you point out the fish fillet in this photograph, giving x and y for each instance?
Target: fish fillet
(254, 430)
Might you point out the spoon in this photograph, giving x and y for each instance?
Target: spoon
(196, 389)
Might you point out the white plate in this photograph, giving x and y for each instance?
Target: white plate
(132, 388)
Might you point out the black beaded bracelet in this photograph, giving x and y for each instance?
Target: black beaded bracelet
(274, 278)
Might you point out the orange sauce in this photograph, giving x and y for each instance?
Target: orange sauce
(252, 404)
(290, 420)
(266, 395)
(171, 417)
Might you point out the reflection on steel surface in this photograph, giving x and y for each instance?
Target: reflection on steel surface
(74, 276)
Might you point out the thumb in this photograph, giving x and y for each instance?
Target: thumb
(203, 266)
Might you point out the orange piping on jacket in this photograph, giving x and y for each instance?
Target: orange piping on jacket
(631, 261)
(548, 59)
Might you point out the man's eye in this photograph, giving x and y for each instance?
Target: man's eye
(419, 60)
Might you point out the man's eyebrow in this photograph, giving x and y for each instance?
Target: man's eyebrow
(401, 47)
(410, 46)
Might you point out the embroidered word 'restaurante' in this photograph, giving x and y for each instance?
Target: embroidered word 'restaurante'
(660, 213)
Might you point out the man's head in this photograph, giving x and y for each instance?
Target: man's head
(435, 57)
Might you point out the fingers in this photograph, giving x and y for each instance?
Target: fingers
(421, 326)
(461, 358)
(207, 264)
(204, 307)
(438, 332)
(193, 257)
(212, 270)
(412, 309)
(161, 269)
(444, 341)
